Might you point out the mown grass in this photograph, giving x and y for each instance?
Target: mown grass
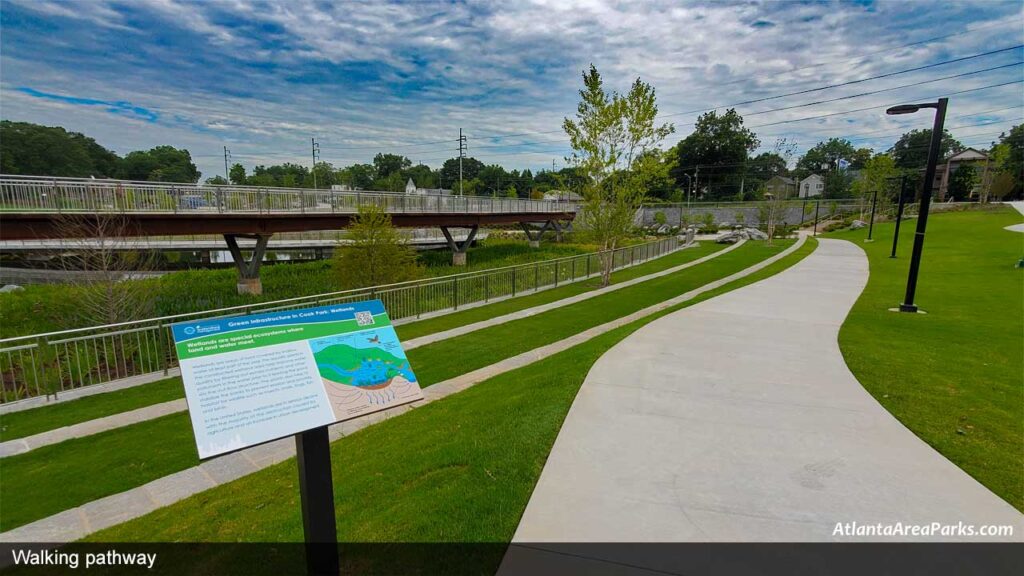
(65, 460)
(44, 418)
(952, 376)
(460, 469)
(20, 424)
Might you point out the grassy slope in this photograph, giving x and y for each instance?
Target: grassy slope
(65, 461)
(459, 469)
(36, 420)
(952, 376)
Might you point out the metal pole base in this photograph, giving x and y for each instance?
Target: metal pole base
(908, 308)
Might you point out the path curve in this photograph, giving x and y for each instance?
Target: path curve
(737, 419)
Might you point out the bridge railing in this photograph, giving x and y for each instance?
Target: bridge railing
(45, 194)
(56, 362)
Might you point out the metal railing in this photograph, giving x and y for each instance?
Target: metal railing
(58, 361)
(60, 195)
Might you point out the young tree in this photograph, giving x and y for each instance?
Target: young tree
(962, 182)
(237, 174)
(609, 136)
(875, 178)
(775, 205)
(376, 253)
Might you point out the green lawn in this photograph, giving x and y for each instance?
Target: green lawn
(433, 363)
(953, 375)
(460, 469)
(36, 420)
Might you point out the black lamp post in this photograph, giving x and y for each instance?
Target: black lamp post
(899, 213)
(926, 194)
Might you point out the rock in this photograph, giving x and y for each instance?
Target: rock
(663, 229)
(11, 288)
(755, 234)
(730, 238)
(857, 224)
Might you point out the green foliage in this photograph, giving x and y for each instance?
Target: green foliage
(376, 255)
(1008, 156)
(609, 136)
(357, 176)
(449, 173)
(217, 181)
(159, 164)
(962, 182)
(828, 153)
(660, 218)
(31, 149)
(385, 165)
(911, 150)
(720, 144)
(237, 174)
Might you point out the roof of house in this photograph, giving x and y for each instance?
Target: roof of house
(968, 154)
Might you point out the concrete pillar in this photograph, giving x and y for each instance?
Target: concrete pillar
(458, 258)
(250, 286)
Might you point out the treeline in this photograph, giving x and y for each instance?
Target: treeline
(714, 162)
(392, 172)
(31, 149)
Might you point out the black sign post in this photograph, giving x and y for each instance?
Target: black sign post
(316, 488)
(871, 227)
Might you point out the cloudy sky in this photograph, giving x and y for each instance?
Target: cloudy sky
(262, 78)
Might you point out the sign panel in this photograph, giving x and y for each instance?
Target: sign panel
(252, 379)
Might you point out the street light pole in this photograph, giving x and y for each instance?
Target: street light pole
(926, 193)
(899, 214)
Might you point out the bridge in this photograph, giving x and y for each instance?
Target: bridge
(38, 207)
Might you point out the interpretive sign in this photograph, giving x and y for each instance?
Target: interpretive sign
(252, 379)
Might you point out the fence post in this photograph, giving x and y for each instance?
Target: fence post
(536, 277)
(514, 280)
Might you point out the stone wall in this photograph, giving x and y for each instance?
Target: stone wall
(794, 213)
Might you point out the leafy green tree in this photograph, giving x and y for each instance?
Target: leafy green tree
(376, 254)
(237, 174)
(875, 176)
(911, 150)
(324, 175)
(357, 176)
(27, 148)
(828, 153)
(421, 175)
(609, 136)
(160, 164)
(471, 168)
(1008, 157)
(217, 181)
(719, 145)
(962, 182)
(387, 164)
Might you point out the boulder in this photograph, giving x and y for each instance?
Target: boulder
(11, 288)
(731, 237)
(857, 224)
(755, 234)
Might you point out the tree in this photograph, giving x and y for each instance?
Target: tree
(324, 175)
(911, 150)
(376, 253)
(875, 177)
(1008, 157)
(216, 181)
(387, 164)
(27, 148)
(421, 175)
(160, 164)
(357, 176)
(609, 136)
(237, 174)
(762, 168)
(962, 182)
(471, 168)
(775, 206)
(719, 145)
(828, 153)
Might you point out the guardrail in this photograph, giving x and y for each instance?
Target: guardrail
(60, 195)
(59, 361)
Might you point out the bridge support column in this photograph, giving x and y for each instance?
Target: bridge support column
(248, 272)
(459, 250)
(533, 233)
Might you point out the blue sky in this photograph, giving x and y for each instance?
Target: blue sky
(263, 77)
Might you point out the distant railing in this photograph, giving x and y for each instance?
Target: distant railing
(60, 195)
(59, 361)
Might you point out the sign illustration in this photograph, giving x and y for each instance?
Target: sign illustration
(252, 379)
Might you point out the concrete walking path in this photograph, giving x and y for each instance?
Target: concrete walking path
(93, 516)
(737, 419)
(23, 445)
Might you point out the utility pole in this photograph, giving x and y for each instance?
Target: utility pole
(227, 157)
(462, 154)
(316, 156)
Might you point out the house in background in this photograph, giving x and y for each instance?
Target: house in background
(943, 172)
(813, 185)
(410, 188)
(780, 187)
(562, 196)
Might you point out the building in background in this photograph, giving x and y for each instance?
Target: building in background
(813, 185)
(969, 157)
(780, 187)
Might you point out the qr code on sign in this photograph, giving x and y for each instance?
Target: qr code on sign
(364, 318)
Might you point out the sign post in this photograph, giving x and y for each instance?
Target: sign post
(316, 489)
(263, 377)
